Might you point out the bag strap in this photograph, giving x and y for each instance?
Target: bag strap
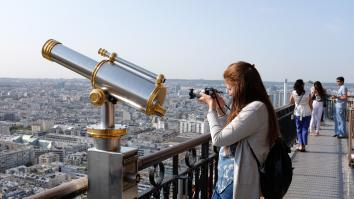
(254, 155)
(298, 102)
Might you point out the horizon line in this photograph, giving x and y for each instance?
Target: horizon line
(82, 78)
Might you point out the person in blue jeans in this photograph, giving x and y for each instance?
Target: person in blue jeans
(224, 184)
(341, 106)
(302, 111)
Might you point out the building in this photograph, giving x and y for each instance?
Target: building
(193, 126)
(35, 128)
(5, 128)
(39, 152)
(158, 123)
(13, 155)
(76, 159)
(11, 116)
(48, 158)
(46, 124)
(44, 176)
(126, 116)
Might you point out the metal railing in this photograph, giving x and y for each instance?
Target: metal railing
(351, 136)
(330, 108)
(186, 170)
(330, 111)
(197, 173)
(65, 190)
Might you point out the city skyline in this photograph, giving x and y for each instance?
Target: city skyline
(79, 78)
(43, 129)
(185, 40)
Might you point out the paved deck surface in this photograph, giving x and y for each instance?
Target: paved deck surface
(322, 171)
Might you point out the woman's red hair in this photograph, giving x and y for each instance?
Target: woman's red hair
(247, 87)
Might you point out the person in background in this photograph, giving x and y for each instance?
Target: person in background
(252, 122)
(318, 96)
(341, 106)
(302, 112)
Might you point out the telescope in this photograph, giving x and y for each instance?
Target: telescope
(121, 79)
(113, 79)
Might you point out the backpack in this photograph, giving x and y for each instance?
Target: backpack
(276, 173)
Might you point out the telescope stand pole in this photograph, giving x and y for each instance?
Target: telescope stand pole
(107, 122)
(105, 161)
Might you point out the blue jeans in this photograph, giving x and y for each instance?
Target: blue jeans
(226, 194)
(339, 120)
(302, 129)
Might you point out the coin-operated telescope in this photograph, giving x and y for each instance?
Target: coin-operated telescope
(113, 79)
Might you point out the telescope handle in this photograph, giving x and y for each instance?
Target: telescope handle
(114, 57)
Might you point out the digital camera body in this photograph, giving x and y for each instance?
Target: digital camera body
(208, 91)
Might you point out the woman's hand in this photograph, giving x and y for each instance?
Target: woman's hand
(207, 99)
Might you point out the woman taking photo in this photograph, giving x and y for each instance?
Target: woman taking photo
(318, 97)
(251, 122)
(302, 112)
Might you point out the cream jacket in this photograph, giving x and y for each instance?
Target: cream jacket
(251, 124)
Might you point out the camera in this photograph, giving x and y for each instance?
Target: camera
(208, 91)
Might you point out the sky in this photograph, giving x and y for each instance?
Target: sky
(184, 39)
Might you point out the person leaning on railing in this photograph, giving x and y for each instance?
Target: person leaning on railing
(341, 107)
(252, 120)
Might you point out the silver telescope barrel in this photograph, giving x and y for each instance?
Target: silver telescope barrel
(144, 92)
(137, 68)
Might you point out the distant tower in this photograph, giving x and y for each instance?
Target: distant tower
(285, 100)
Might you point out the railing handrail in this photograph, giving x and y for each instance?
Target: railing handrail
(350, 136)
(151, 159)
(329, 109)
(63, 190)
(283, 107)
(351, 97)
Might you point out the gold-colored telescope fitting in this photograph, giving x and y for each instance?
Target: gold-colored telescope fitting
(96, 132)
(112, 57)
(159, 94)
(47, 48)
(95, 71)
(160, 79)
(104, 53)
(97, 97)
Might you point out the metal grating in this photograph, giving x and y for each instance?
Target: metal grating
(322, 171)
